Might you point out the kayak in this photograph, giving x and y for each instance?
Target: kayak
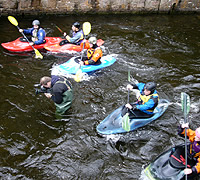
(71, 66)
(112, 124)
(19, 46)
(169, 165)
(67, 47)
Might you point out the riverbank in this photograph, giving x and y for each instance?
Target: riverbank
(36, 7)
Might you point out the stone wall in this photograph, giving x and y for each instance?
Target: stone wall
(97, 6)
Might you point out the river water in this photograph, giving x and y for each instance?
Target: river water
(35, 144)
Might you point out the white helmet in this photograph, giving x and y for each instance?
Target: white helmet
(36, 22)
(93, 40)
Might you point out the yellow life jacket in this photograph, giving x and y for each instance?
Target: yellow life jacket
(143, 99)
(90, 52)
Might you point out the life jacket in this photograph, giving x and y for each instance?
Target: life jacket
(143, 99)
(67, 97)
(35, 35)
(94, 54)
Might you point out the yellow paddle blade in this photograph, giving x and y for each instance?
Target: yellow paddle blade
(78, 76)
(38, 55)
(86, 28)
(13, 20)
(126, 122)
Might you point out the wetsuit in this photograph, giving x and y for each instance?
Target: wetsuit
(94, 55)
(38, 34)
(62, 93)
(144, 106)
(193, 149)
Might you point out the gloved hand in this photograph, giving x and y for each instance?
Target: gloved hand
(64, 34)
(129, 87)
(185, 125)
(131, 107)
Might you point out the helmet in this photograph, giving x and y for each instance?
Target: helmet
(77, 25)
(92, 40)
(197, 132)
(151, 86)
(36, 22)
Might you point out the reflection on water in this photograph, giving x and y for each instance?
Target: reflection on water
(35, 144)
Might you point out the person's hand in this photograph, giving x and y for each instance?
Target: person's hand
(187, 171)
(48, 95)
(64, 34)
(20, 30)
(81, 63)
(185, 125)
(129, 106)
(31, 43)
(129, 87)
(67, 37)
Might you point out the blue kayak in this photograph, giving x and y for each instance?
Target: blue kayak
(112, 124)
(71, 66)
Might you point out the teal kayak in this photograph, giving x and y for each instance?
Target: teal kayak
(112, 124)
(72, 66)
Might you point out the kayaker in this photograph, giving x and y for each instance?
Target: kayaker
(193, 148)
(61, 92)
(146, 102)
(77, 35)
(38, 34)
(94, 52)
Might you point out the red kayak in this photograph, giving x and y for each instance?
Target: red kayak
(19, 46)
(68, 47)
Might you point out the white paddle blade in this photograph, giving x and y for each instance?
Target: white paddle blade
(185, 101)
(86, 28)
(78, 75)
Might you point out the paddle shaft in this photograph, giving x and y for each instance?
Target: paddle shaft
(26, 38)
(59, 29)
(82, 53)
(185, 120)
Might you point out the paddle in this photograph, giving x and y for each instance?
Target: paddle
(15, 23)
(125, 118)
(86, 31)
(185, 101)
(59, 29)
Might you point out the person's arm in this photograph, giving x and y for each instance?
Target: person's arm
(57, 94)
(57, 97)
(41, 37)
(28, 31)
(194, 170)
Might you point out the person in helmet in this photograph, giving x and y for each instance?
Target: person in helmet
(193, 147)
(38, 34)
(94, 52)
(77, 35)
(147, 100)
